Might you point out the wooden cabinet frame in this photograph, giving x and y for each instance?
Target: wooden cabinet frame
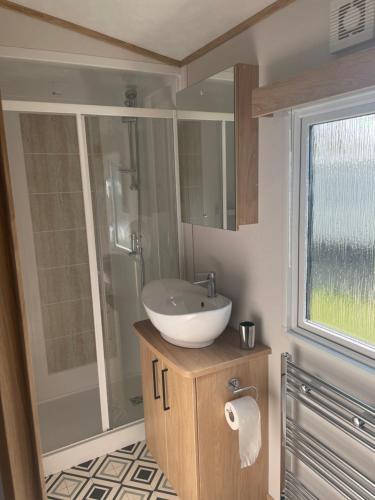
(246, 79)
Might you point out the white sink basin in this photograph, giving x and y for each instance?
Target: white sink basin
(183, 313)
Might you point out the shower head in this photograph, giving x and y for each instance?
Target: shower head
(130, 102)
(131, 97)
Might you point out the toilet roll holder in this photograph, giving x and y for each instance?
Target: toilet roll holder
(234, 386)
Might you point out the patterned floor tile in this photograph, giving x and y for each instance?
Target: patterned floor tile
(134, 494)
(164, 486)
(145, 455)
(156, 495)
(143, 475)
(132, 451)
(99, 489)
(50, 479)
(129, 473)
(65, 486)
(86, 469)
(113, 468)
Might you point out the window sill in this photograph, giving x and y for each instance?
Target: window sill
(337, 350)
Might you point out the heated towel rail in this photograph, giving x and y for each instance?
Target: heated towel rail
(345, 412)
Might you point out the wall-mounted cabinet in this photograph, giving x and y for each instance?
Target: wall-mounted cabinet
(184, 393)
(218, 150)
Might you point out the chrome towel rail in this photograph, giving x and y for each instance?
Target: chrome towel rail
(353, 425)
(347, 413)
(351, 400)
(297, 490)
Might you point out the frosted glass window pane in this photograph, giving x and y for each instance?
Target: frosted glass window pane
(341, 228)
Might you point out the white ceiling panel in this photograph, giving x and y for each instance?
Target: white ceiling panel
(171, 27)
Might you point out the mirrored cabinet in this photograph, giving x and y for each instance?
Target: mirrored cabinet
(218, 150)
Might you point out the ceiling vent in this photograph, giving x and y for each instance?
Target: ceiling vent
(351, 22)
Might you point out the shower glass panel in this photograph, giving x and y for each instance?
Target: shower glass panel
(131, 162)
(50, 220)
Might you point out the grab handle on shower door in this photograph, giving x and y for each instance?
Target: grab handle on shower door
(154, 378)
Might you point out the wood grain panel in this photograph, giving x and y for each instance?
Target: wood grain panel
(246, 78)
(236, 30)
(219, 462)
(20, 453)
(181, 427)
(153, 410)
(224, 352)
(345, 74)
(77, 28)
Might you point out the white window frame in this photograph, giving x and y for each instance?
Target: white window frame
(302, 119)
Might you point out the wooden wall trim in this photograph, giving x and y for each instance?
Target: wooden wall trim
(248, 23)
(246, 78)
(77, 28)
(345, 74)
(20, 452)
(213, 44)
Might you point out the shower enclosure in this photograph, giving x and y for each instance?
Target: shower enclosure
(94, 191)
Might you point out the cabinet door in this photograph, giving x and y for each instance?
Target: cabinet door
(153, 409)
(219, 459)
(179, 403)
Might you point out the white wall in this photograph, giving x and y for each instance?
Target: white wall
(251, 263)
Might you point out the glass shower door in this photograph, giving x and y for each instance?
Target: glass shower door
(51, 227)
(131, 162)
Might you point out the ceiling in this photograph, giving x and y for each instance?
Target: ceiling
(174, 28)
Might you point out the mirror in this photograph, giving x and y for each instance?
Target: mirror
(206, 143)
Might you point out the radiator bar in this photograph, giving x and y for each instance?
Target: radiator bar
(343, 471)
(292, 482)
(323, 473)
(293, 492)
(315, 388)
(333, 457)
(346, 413)
(348, 397)
(334, 420)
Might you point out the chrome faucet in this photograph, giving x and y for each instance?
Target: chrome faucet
(210, 282)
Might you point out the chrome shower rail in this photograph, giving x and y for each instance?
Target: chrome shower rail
(352, 416)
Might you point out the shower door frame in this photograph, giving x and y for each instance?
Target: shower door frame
(64, 457)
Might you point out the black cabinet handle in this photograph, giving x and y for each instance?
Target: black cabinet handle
(163, 373)
(154, 363)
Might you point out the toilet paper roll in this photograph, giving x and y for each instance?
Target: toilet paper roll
(243, 415)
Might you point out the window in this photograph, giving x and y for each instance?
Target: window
(334, 222)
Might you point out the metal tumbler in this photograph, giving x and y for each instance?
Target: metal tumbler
(247, 334)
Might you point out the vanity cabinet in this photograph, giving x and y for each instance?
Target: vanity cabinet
(184, 393)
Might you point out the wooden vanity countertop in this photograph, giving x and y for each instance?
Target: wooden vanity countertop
(192, 363)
